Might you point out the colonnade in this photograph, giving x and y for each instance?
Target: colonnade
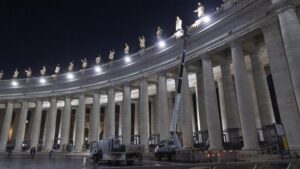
(231, 108)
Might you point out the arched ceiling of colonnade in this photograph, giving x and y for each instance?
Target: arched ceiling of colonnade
(35, 33)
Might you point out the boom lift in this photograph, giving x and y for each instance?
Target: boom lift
(167, 148)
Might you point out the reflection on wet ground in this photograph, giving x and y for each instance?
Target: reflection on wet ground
(63, 162)
(74, 163)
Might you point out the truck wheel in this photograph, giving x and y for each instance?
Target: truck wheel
(140, 158)
(95, 159)
(115, 162)
(158, 157)
(129, 162)
(169, 157)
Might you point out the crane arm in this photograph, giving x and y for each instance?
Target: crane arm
(175, 112)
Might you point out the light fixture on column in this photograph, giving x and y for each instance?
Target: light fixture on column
(161, 44)
(127, 59)
(70, 76)
(14, 83)
(43, 80)
(98, 69)
(206, 19)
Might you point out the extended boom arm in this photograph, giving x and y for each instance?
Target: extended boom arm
(175, 113)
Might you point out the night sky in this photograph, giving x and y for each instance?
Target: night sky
(37, 33)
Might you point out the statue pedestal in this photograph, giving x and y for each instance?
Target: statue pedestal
(178, 34)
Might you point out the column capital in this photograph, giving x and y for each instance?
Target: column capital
(281, 5)
(205, 57)
(235, 43)
(126, 84)
(163, 74)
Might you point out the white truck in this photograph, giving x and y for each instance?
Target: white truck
(112, 151)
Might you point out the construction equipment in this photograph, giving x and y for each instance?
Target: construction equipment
(112, 151)
(167, 148)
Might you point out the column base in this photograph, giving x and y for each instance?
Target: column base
(215, 149)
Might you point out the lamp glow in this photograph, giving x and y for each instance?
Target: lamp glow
(127, 59)
(161, 44)
(206, 19)
(14, 83)
(70, 76)
(43, 80)
(98, 69)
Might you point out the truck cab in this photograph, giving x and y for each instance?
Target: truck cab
(166, 148)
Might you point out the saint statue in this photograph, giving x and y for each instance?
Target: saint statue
(159, 33)
(84, 63)
(57, 69)
(28, 72)
(16, 74)
(1, 74)
(200, 10)
(43, 71)
(71, 66)
(111, 55)
(178, 24)
(142, 42)
(98, 59)
(126, 49)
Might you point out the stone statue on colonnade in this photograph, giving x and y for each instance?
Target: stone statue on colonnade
(159, 33)
(98, 59)
(200, 10)
(178, 24)
(126, 49)
(1, 74)
(43, 71)
(179, 30)
(28, 72)
(71, 66)
(16, 74)
(57, 69)
(111, 56)
(142, 42)
(84, 63)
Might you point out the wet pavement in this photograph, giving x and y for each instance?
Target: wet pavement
(81, 162)
(21, 162)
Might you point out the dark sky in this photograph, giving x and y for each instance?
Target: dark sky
(35, 33)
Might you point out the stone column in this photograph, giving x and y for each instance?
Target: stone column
(261, 87)
(253, 94)
(51, 125)
(200, 100)
(153, 114)
(186, 112)
(222, 103)
(163, 110)
(171, 106)
(80, 123)
(95, 118)
(21, 127)
(136, 119)
(144, 113)
(286, 99)
(211, 104)
(230, 102)
(244, 98)
(290, 27)
(126, 117)
(36, 126)
(109, 118)
(120, 119)
(66, 122)
(6, 125)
